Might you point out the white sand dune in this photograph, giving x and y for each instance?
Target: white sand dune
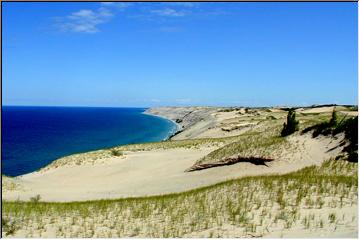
(157, 172)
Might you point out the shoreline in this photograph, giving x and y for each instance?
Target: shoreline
(177, 130)
(182, 118)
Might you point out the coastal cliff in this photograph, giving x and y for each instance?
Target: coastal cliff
(185, 118)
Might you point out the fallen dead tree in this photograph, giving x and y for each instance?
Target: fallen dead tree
(231, 161)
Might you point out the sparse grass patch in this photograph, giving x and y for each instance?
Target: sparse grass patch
(265, 144)
(177, 215)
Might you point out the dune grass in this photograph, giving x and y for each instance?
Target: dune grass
(263, 141)
(251, 205)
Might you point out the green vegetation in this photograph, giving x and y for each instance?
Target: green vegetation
(291, 125)
(264, 143)
(9, 227)
(246, 204)
(8, 183)
(191, 143)
(352, 108)
(230, 109)
(249, 146)
(334, 119)
(116, 153)
(332, 217)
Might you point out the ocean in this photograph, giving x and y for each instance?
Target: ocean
(32, 137)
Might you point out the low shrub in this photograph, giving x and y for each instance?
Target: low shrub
(291, 125)
(116, 153)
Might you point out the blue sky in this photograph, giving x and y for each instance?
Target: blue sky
(155, 54)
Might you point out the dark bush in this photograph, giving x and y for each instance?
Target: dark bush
(291, 124)
(178, 120)
(116, 153)
(334, 119)
(350, 128)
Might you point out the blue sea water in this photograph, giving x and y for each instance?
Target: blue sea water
(32, 137)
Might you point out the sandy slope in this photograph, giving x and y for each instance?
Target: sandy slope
(157, 172)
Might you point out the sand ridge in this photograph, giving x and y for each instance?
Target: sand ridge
(158, 172)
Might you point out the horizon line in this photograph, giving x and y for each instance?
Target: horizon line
(232, 106)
